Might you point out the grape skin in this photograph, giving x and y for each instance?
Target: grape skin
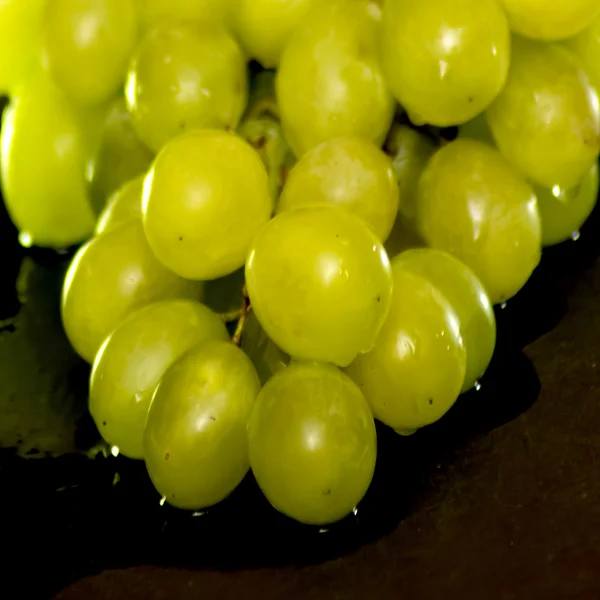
(124, 206)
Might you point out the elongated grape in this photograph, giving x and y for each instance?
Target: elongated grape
(124, 206)
(547, 120)
(416, 370)
(312, 443)
(319, 282)
(132, 361)
(196, 441)
(350, 173)
(264, 26)
(205, 198)
(465, 293)
(445, 60)
(550, 19)
(586, 45)
(110, 277)
(477, 206)
(563, 212)
(329, 82)
(184, 77)
(87, 45)
(158, 12)
(120, 156)
(43, 165)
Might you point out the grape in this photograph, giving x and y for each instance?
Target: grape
(110, 277)
(196, 442)
(183, 77)
(312, 443)
(124, 206)
(466, 295)
(416, 370)
(404, 236)
(224, 295)
(266, 357)
(20, 40)
(329, 82)
(477, 129)
(132, 361)
(350, 173)
(43, 163)
(475, 205)
(320, 284)
(550, 19)
(586, 46)
(205, 198)
(546, 120)
(410, 151)
(445, 60)
(120, 156)
(87, 44)
(157, 12)
(264, 26)
(563, 212)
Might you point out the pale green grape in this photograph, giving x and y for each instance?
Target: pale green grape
(404, 236)
(465, 293)
(43, 165)
(157, 12)
(563, 212)
(264, 26)
(124, 206)
(477, 206)
(266, 357)
(546, 120)
(87, 45)
(410, 152)
(312, 443)
(445, 60)
(20, 40)
(132, 361)
(224, 294)
(329, 82)
(184, 77)
(205, 198)
(416, 370)
(350, 173)
(319, 282)
(586, 46)
(120, 156)
(110, 277)
(196, 441)
(550, 19)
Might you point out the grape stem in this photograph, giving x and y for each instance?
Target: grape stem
(231, 316)
(237, 336)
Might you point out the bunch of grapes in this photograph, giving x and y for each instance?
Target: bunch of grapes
(281, 240)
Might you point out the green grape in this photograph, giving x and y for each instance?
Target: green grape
(184, 77)
(264, 26)
(205, 198)
(20, 40)
(465, 293)
(110, 277)
(563, 212)
(266, 357)
(404, 236)
(196, 441)
(550, 19)
(329, 82)
(410, 152)
(350, 173)
(312, 443)
(546, 120)
(445, 60)
(586, 46)
(124, 206)
(120, 156)
(43, 164)
(477, 206)
(157, 12)
(477, 129)
(132, 360)
(87, 44)
(319, 282)
(416, 370)
(224, 295)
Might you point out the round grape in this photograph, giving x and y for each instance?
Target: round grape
(124, 206)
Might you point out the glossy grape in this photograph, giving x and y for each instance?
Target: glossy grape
(124, 206)
(312, 443)
(205, 198)
(586, 45)
(132, 361)
(196, 441)
(319, 281)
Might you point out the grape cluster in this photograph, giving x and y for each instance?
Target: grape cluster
(280, 238)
